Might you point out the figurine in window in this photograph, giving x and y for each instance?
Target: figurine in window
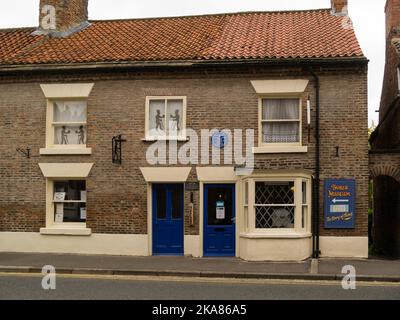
(176, 119)
(159, 121)
(64, 135)
(81, 135)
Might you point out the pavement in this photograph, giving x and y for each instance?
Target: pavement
(373, 269)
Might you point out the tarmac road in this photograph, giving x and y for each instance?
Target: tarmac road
(80, 287)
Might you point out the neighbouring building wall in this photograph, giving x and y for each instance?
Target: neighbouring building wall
(117, 194)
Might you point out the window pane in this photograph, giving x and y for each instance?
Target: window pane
(281, 132)
(274, 217)
(177, 194)
(246, 193)
(157, 119)
(303, 216)
(274, 193)
(219, 206)
(70, 135)
(74, 189)
(161, 203)
(70, 111)
(281, 109)
(175, 116)
(70, 212)
(304, 192)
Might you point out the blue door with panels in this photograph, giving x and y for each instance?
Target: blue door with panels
(219, 220)
(167, 210)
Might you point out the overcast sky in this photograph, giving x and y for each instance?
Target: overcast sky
(368, 18)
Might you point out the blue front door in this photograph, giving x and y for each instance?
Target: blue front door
(219, 220)
(168, 219)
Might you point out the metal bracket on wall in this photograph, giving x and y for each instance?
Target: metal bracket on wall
(117, 149)
(25, 152)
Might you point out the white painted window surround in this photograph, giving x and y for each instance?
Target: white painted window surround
(66, 113)
(280, 120)
(60, 172)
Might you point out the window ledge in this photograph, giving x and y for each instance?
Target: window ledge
(281, 149)
(59, 151)
(276, 235)
(66, 231)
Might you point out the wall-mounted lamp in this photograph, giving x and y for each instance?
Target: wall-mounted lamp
(309, 117)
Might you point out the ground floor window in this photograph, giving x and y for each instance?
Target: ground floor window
(69, 201)
(277, 202)
(66, 204)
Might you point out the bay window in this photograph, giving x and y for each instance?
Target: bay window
(277, 203)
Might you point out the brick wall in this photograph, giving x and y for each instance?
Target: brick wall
(117, 194)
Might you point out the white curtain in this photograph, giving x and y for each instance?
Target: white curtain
(281, 109)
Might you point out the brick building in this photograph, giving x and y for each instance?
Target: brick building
(385, 142)
(294, 82)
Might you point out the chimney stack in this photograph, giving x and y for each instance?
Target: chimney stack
(339, 7)
(60, 18)
(392, 11)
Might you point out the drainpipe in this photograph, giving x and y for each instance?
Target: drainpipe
(316, 184)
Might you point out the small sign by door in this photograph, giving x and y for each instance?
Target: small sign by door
(220, 210)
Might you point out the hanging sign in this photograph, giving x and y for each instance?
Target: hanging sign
(220, 210)
(339, 207)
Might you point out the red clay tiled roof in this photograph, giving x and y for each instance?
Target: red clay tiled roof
(249, 35)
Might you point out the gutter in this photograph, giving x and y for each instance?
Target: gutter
(352, 61)
(316, 184)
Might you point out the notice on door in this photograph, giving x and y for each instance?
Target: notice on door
(220, 210)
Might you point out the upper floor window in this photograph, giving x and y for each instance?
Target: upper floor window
(66, 118)
(280, 121)
(165, 118)
(69, 123)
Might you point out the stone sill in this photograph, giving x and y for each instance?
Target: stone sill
(280, 149)
(61, 151)
(66, 231)
(276, 235)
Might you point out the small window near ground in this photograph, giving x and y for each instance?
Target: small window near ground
(69, 201)
(280, 121)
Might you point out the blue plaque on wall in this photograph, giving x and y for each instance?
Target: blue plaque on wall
(219, 139)
(339, 206)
